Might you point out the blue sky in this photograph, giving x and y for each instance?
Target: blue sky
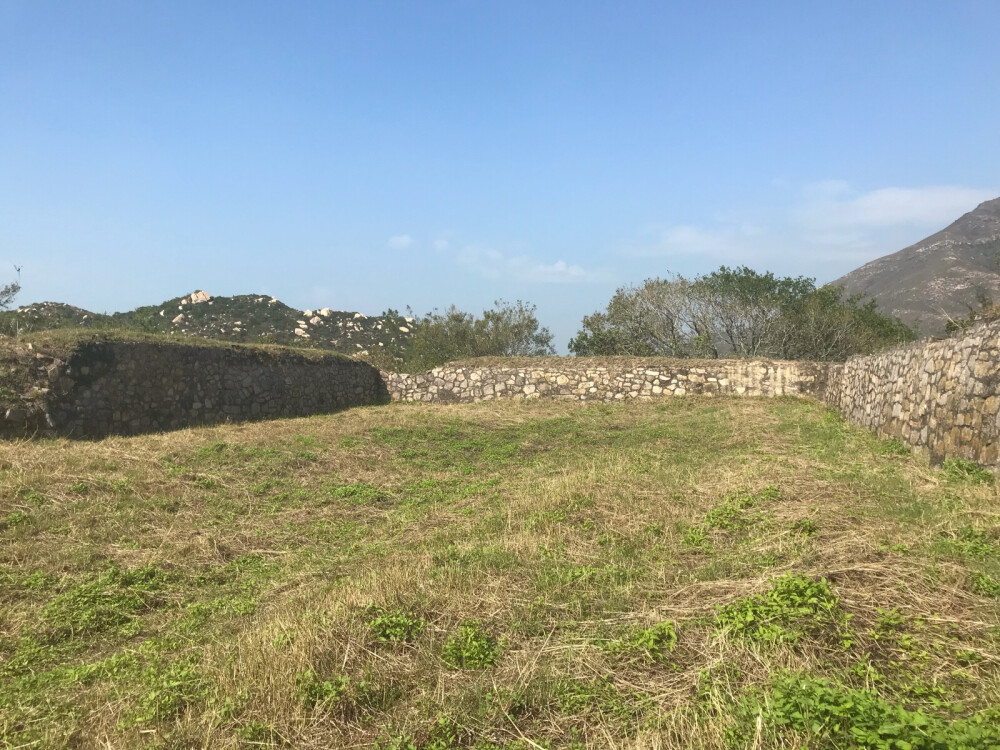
(371, 154)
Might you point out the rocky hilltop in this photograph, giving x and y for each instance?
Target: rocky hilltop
(943, 277)
(246, 318)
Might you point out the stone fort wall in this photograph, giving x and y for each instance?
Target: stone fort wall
(940, 397)
(607, 379)
(126, 388)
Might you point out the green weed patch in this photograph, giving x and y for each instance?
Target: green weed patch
(959, 470)
(653, 644)
(984, 584)
(394, 626)
(471, 647)
(794, 607)
(832, 716)
(104, 602)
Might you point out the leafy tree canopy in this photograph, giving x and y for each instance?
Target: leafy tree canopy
(506, 330)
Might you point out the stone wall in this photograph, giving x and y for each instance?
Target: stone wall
(942, 398)
(126, 388)
(608, 379)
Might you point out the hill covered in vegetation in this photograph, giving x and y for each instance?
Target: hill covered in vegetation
(245, 318)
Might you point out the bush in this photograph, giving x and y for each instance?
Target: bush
(9, 292)
(737, 312)
(507, 330)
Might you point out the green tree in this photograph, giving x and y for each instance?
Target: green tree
(662, 317)
(506, 330)
(736, 312)
(825, 326)
(747, 306)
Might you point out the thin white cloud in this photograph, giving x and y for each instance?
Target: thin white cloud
(441, 245)
(493, 264)
(400, 242)
(829, 225)
(833, 205)
(559, 272)
(716, 241)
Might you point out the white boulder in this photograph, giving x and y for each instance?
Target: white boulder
(196, 297)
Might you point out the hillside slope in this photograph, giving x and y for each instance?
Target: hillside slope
(943, 276)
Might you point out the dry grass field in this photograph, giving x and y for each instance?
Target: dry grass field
(687, 573)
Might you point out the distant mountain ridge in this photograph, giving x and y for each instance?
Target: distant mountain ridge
(246, 318)
(943, 277)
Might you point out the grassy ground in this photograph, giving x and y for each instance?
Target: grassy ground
(684, 573)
